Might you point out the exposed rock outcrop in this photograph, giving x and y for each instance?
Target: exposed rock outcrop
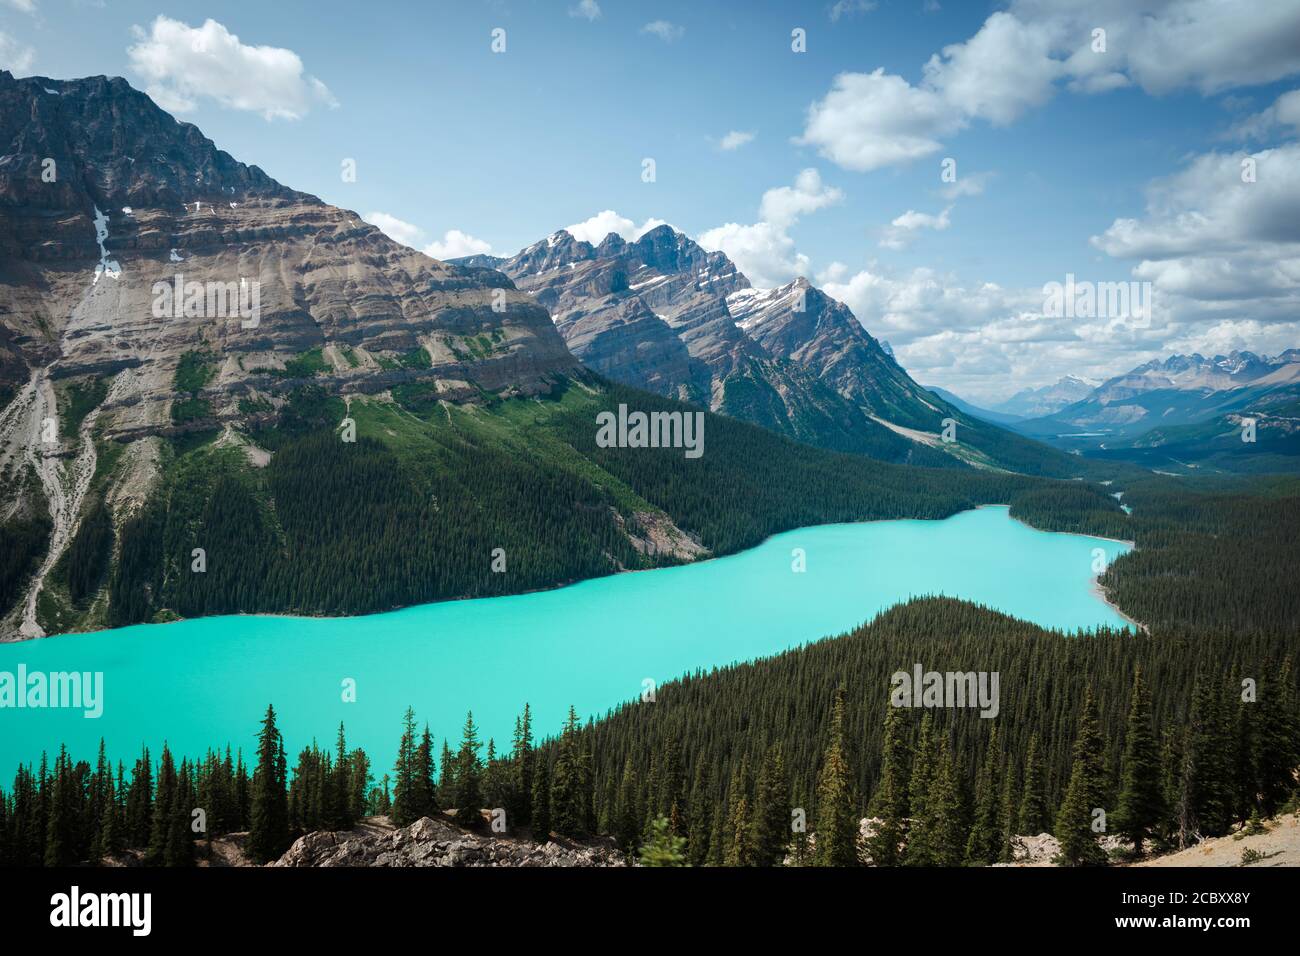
(430, 842)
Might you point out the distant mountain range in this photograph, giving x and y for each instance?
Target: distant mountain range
(662, 314)
(1185, 412)
(1036, 402)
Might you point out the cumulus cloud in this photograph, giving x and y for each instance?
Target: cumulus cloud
(15, 57)
(664, 30)
(783, 205)
(182, 64)
(1283, 117)
(595, 229)
(764, 250)
(455, 244)
(1019, 57)
(396, 229)
(900, 233)
(587, 9)
(735, 139)
(1211, 207)
(979, 338)
(452, 245)
(1222, 257)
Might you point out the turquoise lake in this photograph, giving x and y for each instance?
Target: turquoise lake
(207, 682)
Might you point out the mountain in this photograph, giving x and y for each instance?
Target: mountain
(997, 418)
(220, 395)
(662, 314)
(1036, 402)
(1179, 408)
(151, 286)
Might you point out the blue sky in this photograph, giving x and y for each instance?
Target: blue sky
(1056, 146)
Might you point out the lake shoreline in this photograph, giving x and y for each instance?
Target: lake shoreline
(6, 641)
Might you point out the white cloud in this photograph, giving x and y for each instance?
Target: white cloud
(764, 251)
(999, 73)
(181, 64)
(396, 229)
(870, 120)
(1282, 117)
(452, 245)
(588, 9)
(971, 184)
(1206, 208)
(735, 139)
(1222, 257)
(455, 244)
(664, 30)
(847, 8)
(23, 6)
(1019, 57)
(15, 57)
(595, 229)
(900, 233)
(783, 205)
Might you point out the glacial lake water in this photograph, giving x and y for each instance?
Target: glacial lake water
(207, 682)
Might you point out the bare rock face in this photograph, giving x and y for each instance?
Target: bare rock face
(172, 288)
(430, 842)
(109, 207)
(662, 314)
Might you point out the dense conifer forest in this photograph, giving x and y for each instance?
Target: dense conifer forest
(416, 506)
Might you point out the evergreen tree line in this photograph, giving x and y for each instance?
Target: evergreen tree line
(333, 527)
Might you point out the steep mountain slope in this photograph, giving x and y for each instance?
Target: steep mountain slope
(150, 286)
(997, 418)
(663, 314)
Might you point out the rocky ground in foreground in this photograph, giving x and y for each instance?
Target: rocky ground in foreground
(431, 842)
(439, 842)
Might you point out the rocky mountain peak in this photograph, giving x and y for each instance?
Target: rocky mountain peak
(111, 146)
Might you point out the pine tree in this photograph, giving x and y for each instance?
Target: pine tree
(570, 782)
(889, 803)
(663, 848)
(946, 824)
(163, 807)
(269, 814)
(770, 824)
(984, 846)
(1007, 816)
(521, 762)
(627, 814)
(424, 799)
(1033, 818)
(469, 771)
(540, 822)
(740, 847)
(919, 850)
(837, 826)
(1141, 802)
(1079, 846)
(406, 796)
(701, 817)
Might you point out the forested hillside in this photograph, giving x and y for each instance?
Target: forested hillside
(414, 509)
